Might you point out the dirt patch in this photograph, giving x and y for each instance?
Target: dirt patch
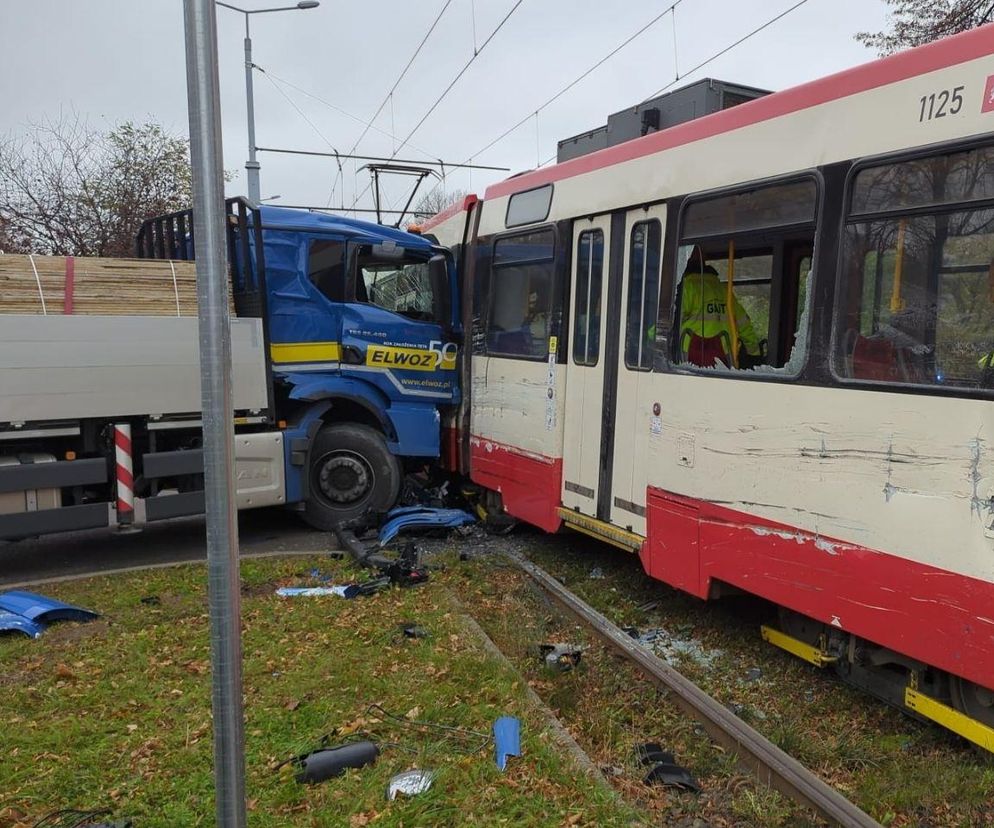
(68, 632)
(258, 590)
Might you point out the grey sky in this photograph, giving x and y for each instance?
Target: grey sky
(116, 59)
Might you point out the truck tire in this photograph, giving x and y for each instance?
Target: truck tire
(351, 471)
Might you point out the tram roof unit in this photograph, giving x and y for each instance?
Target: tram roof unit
(689, 102)
(862, 111)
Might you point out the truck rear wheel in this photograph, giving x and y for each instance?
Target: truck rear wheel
(351, 472)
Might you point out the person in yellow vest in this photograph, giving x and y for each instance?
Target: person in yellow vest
(704, 315)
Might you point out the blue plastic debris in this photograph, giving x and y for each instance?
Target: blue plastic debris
(507, 739)
(41, 609)
(12, 622)
(421, 517)
(341, 591)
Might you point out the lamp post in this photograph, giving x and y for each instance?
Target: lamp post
(252, 165)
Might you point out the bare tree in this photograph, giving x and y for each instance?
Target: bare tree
(434, 201)
(914, 22)
(68, 190)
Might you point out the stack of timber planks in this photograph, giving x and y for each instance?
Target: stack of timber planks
(98, 287)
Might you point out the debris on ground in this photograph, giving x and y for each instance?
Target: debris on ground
(670, 647)
(665, 770)
(596, 574)
(324, 763)
(341, 590)
(410, 783)
(561, 657)
(411, 630)
(753, 674)
(673, 776)
(651, 753)
(29, 613)
(458, 737)
(404, 518)
(12, 622)
(507, 740)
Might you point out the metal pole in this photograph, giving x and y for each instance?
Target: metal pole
(215, 385)
(252, 165)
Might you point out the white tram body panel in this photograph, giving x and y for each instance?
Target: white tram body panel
(866, 506)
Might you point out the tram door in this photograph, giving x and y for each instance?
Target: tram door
(587, 366)
(633, 422)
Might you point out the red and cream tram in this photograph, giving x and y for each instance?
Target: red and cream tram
(846, 475)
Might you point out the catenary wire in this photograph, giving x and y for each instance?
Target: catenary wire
(713, 57)
(400, 77)
(727, 49)
(447, 89)
(579, 78)
(534, 114)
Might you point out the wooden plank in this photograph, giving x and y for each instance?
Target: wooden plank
(98, 287)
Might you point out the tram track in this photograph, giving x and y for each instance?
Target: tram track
(769, 764)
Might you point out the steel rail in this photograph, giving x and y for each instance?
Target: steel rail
(768, 763)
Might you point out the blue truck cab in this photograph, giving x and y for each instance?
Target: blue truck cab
(363, 338)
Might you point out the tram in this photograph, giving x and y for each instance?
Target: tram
(844, 469)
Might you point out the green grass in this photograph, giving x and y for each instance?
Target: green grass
(901, 771)
(117, 713)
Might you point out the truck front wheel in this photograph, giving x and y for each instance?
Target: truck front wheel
(351, 472)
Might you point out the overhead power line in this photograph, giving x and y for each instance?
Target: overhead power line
(461, 72)
(445, 92)
(338, 109)
(578, 78)
(400, 77)
(349, 157)
(713, 57)
(727, 49)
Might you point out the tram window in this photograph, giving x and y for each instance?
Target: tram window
(742, 295)
(587, 310)
(529, 207)
(917, 301)
(937, 180)
(520, 304)
(773, 206)
(643, 294)
(326, 268)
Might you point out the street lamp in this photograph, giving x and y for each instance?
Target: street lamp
(252, 165)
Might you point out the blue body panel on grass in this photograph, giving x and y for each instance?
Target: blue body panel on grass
(41, 609)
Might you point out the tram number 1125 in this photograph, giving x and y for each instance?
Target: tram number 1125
(940, 104)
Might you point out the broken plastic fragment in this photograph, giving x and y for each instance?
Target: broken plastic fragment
(507, 740)
(652, 752)
(328, 762)
(673, 776)
(562, 657)
(410, 783)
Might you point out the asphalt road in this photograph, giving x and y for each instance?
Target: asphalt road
(263, 531)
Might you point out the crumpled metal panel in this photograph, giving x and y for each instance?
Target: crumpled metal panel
(421, 517)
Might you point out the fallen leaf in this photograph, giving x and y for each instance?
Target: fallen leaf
(62, 671)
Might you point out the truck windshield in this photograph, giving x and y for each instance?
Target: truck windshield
(415, 288)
